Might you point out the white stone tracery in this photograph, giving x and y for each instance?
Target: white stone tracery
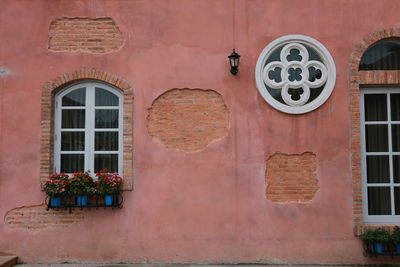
(300, 66)
(285, 65)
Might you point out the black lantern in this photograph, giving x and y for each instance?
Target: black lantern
(234, 61)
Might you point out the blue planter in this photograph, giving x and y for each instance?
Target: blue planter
(55, 201)
(82, 200)
(108, 200)
(398, 248)
(379, 248)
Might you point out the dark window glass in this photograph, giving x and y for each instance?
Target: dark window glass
(396, 169)
(106, 141)
(71, 163)
(396, 137)
(105, 98)
(106, 118)
(75, 98)
(378, 169)
(73, 118)
(379, 201)
(397, 200)
(376, 138)
(72, 141)
(383, 55)
(395, 106)
(375, 107)
(109, 161)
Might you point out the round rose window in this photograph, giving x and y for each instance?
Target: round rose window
(295, 74)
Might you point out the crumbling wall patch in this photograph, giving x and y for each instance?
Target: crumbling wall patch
(88, 35)
(291, 177)
(36, 217)
(188, 119)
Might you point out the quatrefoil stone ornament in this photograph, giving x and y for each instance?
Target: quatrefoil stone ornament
(295, 74)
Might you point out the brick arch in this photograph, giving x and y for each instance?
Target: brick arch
(358, 78)
(49, 90)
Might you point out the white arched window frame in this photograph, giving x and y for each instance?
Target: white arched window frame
(88, 135)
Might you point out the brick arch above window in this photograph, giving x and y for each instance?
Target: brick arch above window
(357, 79)
(49, 91)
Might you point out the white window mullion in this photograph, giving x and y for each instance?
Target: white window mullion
(389, 115)
(90, 123)
(120, 134)
(57, 136)
(363, 159)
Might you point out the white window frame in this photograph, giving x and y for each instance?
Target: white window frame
(89, 129)
(378, 219)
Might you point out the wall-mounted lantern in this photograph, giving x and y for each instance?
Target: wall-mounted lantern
(234, 61)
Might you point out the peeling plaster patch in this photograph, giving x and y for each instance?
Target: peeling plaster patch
(34, 218)
(291, 178)
(88, 35)
(4, 71)
(188, 119)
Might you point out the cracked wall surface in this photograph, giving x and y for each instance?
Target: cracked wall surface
(36, 217)
(291, 177)
(88, 35)
(188, 119)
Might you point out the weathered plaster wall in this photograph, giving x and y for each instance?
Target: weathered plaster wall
(208, 206)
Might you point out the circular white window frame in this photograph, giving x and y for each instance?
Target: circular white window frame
(326, 59)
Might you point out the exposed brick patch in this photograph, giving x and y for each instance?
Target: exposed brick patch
(49, 90)
(291, 178)
(89, 35)
(380, 77)
(357, 78)
(188, 119)
(37, 218)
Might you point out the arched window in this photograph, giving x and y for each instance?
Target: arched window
(88, 128)
(383, 55)
(380, 134)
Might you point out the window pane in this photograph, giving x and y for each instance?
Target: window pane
(109, 161)
(376, 138)
(395, 106)
(105, 98)
(383, 55)
(396, 169)
(71, 163)
(106, 141)
(106, 118)
(75, 98)
(397, 200)
(396, 137)
(379, 201)
(72, 141)
(375, 107)
(378, 169)
(73, 118)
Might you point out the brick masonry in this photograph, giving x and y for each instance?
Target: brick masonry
(34, 218)
(49, 90)
(188, 119)
(358, 78)
(88, 35)
(291, 178)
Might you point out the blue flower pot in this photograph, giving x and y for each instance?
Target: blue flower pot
(82, 200)
(398, 248)
(55, 201)
(379, 248)
(108, 200)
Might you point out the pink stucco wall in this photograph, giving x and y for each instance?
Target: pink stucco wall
(208, 206)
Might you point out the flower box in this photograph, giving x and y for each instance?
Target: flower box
(81, 190)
